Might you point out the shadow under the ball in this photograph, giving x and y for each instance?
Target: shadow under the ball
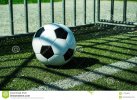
(77, 63)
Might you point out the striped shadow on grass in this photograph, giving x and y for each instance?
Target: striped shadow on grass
(91, 75)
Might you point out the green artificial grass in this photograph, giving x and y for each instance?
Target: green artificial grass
(22, 71)
(29, 1)
(124, 80)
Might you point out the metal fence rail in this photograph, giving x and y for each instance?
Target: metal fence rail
(96, 13)
(112, 10)
(26, 15)
(111, 20)
(11, 17)
(52, 13)
(39, 11)
(125, 11)
(64, 10)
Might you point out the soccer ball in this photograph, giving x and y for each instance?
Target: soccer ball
(54, 44)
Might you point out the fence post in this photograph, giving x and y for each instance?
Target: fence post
(11, 17)
(125, 11)
(26, 15)
(94, 15)
(39, 11)
(98, 10)
(52, 10)
(74, 13)
(64, 11)
(112, 10)
(85, 11)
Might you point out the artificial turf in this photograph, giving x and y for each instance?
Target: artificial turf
(22, 71)
(124, 80)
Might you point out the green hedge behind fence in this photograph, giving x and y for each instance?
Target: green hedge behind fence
(35, 1)
(21, 1)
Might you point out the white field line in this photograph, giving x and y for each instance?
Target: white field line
(91, 75)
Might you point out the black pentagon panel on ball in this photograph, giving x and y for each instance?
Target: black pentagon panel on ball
(68, 54)
(61, 33)
(39, 32)
(47, 51)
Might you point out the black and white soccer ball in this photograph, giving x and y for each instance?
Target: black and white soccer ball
(54, 44)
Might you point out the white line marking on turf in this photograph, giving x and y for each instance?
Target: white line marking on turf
(91, 75)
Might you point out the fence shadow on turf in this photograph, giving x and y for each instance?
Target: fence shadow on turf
(14, 74)
(77, 63)
(116, 78)
(99, 31)
(40, 82)
(128, 40)
(50, 70)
